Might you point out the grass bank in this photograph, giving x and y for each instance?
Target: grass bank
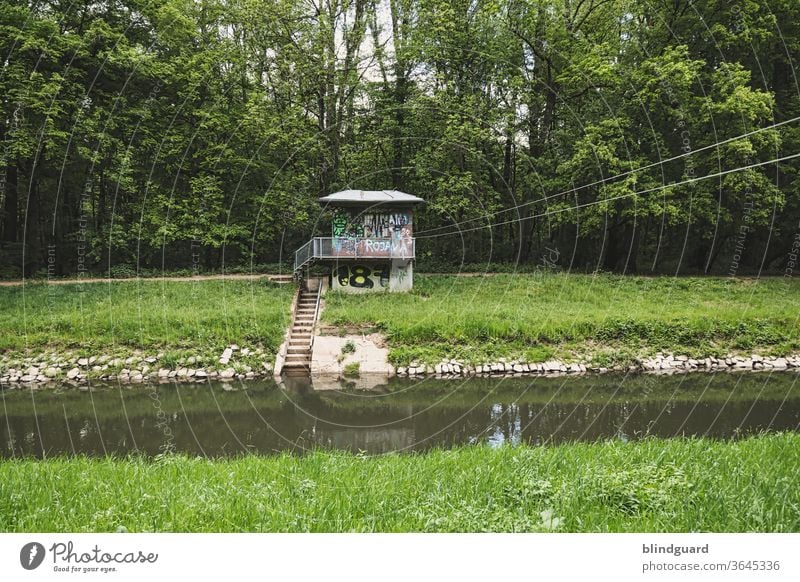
(190, 316)
(652, 485)
(605, 318)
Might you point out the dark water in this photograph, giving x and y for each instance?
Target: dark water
(265, 418)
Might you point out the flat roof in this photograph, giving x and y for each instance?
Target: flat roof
(369, 197)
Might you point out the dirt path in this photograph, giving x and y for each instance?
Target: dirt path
(232, 277)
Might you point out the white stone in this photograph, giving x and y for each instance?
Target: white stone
(227, 373)
(51, 372)
(73, 373)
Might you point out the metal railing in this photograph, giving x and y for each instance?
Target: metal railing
(321, 248)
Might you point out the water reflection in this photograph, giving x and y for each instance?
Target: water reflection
(214, 419)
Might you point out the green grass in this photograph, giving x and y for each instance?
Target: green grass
(539, 316)
(651, 485)
(174, 315)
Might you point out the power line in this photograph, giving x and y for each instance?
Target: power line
(622, 175)
(621, 196)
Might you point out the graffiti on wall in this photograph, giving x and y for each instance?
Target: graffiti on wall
(385, 224)
(372, 248)
(363, 276)
(377, 234)
(388, 225)
(345, 225)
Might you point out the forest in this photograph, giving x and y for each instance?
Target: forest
(631, 136)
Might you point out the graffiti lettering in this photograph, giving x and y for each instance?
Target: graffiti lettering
(363, 276)
(385, 224)
(339, 224)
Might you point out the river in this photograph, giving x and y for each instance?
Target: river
(215, 419)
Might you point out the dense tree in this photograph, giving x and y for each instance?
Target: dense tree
(199, 134)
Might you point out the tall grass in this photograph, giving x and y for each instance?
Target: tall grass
(144, 314)
(538, 315)
(651, 485)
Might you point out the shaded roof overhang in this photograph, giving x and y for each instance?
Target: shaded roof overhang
(370, 198)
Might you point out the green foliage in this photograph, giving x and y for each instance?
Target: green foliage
(198, 135)
(352, 370)
(652, 485)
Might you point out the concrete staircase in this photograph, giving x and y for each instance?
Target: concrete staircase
(301, 336)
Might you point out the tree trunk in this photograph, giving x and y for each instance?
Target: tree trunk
(11, 203)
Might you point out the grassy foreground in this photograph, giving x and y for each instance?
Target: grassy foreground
(653, 485)
(147, 314)
(611, 319)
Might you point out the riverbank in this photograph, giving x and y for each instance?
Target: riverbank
(601, 321)
(545, 324)
(652, 485)
(142, 330)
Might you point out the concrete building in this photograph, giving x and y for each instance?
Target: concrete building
(371, 246)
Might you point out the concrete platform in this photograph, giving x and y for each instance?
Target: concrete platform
(371, 354)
